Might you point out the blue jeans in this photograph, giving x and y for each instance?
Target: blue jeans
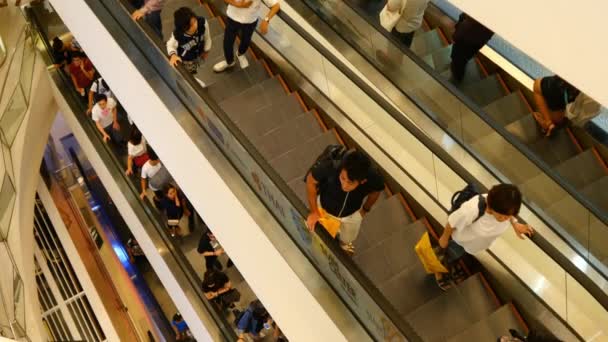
(454, 252)
(153, 19)
(115, 135)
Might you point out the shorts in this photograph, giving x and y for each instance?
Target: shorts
(349, 225)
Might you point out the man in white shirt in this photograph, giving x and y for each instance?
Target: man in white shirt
(106, 118)
(98, 87)
(154, 176)
(411, 18)
(480, 221)
(242, 16)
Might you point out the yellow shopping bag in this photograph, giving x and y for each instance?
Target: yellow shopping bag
(330, 223)
(428, 257)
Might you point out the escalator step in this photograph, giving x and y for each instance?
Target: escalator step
(296, 162)
(597, 192)
(427, 43)
(237, 80)
(385, 218)
(485, 91)
(252, 99)
(542, 191)
(525, 129)
(556, 149)
(453, 311)
(283, 108)
(490, 328)
(442, 58)
(287, 136)
(216, 30)
(508, 109)
(581, 170)
(472, 74)
(299, 187)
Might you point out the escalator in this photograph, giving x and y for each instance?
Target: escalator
(286, 133)
(564, 178)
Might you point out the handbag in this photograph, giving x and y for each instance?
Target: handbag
(428, 256)
(330, 223)
(389, 19)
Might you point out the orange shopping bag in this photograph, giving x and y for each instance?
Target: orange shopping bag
(330, 223)
(428, 257)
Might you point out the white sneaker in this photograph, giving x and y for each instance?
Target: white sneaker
(223, 65)
(243, 61)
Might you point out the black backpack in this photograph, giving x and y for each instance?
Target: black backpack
(333, 153)
(466, 194)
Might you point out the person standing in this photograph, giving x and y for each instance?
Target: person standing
(242, 17)
(106, 118)
(98, 87)
(190, 41)
(411, 18)
(469, 37)
(343, 194)
(82, 73)
(207, 250)
(150, 11)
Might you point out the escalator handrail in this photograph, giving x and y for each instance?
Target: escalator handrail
(153, 42)
(153, 215)
(555, 254)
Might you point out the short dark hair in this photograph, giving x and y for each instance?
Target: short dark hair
(182, 17)
(78, 54)
(100, 97)
(57, 44)
(177, 317)
(356, 165)
(505, 199)
(169, 187)
(135, 136)
(151, 154)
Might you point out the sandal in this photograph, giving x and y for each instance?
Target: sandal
(443, 281)
(458, 274)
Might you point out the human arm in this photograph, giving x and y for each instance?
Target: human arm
(311, 194)
(148, 7)
(521, 229)
(115, 123)
(172, 51)
(90, 102)
(144, 186)
(129, 165)
(369, 202)
(445, 237)
(539, 99)
(274, 9)
(217, 252)
(87, 69)
(105, 135)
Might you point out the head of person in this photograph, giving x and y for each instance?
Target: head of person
(101, 100)
(57, 44)
(210, 235)
(171, 192)
(259, 311)
(78, 58)
(185, 21)
(354, 169)
(211, 279)
(152, 155)
(570, 91)
(177, 317)
(135, 136)
(503, 202)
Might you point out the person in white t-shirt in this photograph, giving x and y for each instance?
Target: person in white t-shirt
(242, 16)
(98, 87)
(106, 118)
(480, 221)
(137, 154)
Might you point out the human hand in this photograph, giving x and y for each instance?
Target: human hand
(106, 138)
(204, 55)
(174, 59)
(522, 229)
(89, 110)
(138, 14)
(312, 220)
(142, 196)
(264, 27)
(129, 172)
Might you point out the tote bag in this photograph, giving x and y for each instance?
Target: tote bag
(389, 19)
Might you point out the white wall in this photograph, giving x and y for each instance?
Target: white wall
(568, 37)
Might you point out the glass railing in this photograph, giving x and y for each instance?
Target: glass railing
(150, 218)
(567, 210)
(358, 293)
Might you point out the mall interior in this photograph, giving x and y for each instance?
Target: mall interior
(168, 169)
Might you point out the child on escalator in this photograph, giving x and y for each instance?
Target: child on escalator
(190, 42)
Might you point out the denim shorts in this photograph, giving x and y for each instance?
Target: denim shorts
(454, 252)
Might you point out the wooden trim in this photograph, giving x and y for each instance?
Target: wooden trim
(483, 68)
(321, 123)
(442, 36)
(502, 82)
(388, 190)
(338, 137)
(284, 84)
(252, 53)
(600, 159)
(519, 318)
(206, 5)
(222, 22)
(574, 140)
(267, 67)
(425, 25)
(519, 92)
(490, 290)
(299, 98)
(430, 228)
(407, 207)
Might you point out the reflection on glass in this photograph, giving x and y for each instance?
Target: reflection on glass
(27, 66)
(7, 201)
(18, 299)
(13, 115)
(2, 51)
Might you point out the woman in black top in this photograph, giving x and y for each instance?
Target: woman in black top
(172, 206)
(217, 288)
(552, 94)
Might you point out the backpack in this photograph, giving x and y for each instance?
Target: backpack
(160, 178)
(466, 194)
(333, 153)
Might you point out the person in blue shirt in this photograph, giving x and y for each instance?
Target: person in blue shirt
(182, 332)
(253, 320)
